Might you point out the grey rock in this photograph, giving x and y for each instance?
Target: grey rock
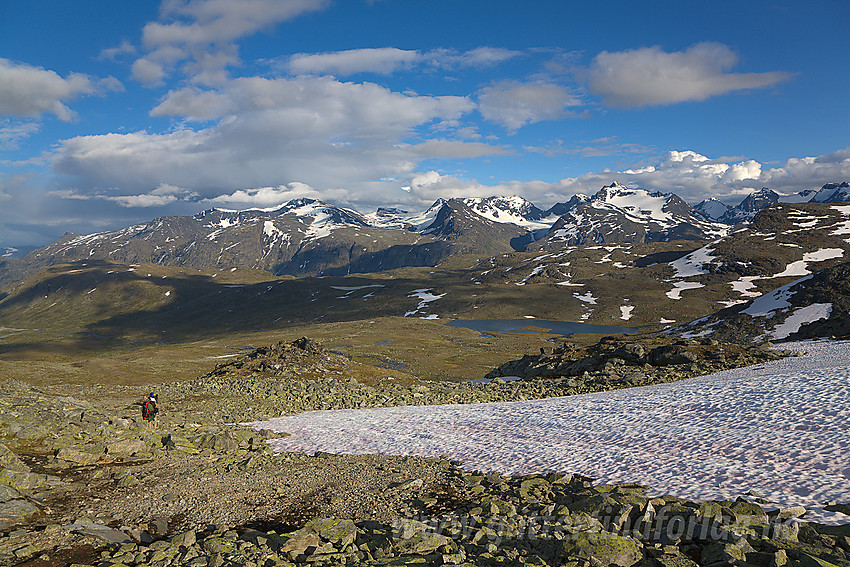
(605, 548)
(9, 460)
(186, 539)
(8, 493)
(413, 537)
(101, 532)
(671, 354)
(299, 543)
(788, 530)
(77, 456)
(16, 512)
(126, 447)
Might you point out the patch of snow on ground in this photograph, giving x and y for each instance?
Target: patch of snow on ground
(768, 304)
(570, 284)
(744, 285)
(425, 297)
(691, 265)
(843, 227)
(626, 312)
(823, 254)
(587, 298)
(794, 269)
(664, 321)
(800, 267)
(801, 315)
(678, 287)
(533, 273)
(779, 429)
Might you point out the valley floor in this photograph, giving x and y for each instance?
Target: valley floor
(778, 429)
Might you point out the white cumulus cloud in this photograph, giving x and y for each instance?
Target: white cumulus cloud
(26, 90)
(384, 60)
(690, 175)
(264, 132)
(809, 172)
(202, 34)
(387, 60)
(267, 196)
(650, 76)
(514, 104)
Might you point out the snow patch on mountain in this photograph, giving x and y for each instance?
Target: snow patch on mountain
(712, 208)
(800, 267)
(586, 298)
(692, 264)
(679, 287)
(425, 297)
(768, 304)
(638, 203)
(799, 317)
(745, 284)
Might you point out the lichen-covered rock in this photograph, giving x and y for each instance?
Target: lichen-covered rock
(221, 442)
(672, 354)
(414, 537)
(25, 481)
(299, 542)
(9, 460)
(339, 532)
(222, 545)
(15, 512)
(77, 456)
(126, 447)
(605, 548)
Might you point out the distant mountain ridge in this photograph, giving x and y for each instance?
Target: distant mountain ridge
(617, 214)
(310, 237)
(713, 209)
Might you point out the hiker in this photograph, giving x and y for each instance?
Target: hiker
(150, 409)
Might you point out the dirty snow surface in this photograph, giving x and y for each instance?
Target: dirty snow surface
(779, 429)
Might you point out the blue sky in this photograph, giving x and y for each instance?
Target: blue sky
(113, 113)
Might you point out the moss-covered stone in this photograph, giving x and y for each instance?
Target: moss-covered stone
(604, 547)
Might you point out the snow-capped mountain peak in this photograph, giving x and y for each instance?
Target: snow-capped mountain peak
(510, 210)
(637, 203)
(712, 208)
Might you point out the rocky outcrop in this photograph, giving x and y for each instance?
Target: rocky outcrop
(631, 360)
(471, 518)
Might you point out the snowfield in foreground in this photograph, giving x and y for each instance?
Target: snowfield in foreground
(779, 429)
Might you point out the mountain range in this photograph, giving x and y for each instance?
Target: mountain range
(649, 285)
(620, 255)
(309, 237)
(713, 209)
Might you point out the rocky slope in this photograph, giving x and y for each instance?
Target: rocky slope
(636, 360)
(814, 306)
(782, 243)
(86, 483)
